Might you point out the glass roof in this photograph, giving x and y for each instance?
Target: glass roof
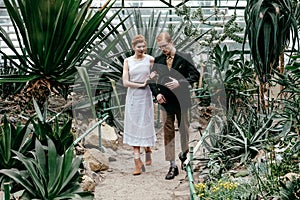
(168, 3)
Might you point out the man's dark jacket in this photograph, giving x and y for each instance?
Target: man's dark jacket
(184, 71)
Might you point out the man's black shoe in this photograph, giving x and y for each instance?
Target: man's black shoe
(182, 157)
(173, 171)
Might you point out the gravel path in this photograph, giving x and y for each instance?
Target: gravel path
(119, 184)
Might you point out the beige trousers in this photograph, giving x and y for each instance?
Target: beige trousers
(169, 133)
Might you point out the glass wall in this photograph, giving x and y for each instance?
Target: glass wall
(225, 8)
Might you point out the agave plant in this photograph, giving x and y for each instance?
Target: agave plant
(243, 135)
(48, 175)
(60, 133)
(15, 138)
(53, 38)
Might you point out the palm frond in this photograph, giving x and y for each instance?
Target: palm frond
(269, 25)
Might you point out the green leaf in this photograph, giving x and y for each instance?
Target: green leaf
(6, 141)
(54, 166)
(20, 178)
(38, 111)
(85, 78)
(33, 172)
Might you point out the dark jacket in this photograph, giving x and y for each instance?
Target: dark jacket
(184, 71)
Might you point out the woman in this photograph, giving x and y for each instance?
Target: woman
(139, 117)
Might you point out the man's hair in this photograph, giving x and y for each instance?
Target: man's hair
(138, 39)
(164, 36)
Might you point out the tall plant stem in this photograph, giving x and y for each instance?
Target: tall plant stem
(281, 70)
(262, 96)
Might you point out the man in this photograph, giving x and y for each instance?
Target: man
(175, 74)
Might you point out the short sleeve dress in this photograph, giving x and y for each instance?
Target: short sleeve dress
(139, 114)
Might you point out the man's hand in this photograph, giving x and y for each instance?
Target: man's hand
(160, 99)
(172, 84)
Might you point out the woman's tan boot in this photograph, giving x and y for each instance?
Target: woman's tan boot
(139, 167)
(148, 156)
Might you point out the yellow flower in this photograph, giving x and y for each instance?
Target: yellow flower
(215, 189)
(200, 186)
(201, 195)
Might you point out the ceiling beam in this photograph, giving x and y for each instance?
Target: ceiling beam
(167, 3)
(170, 3)
(183, 2)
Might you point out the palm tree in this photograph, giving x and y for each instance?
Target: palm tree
(270, 26)
(54, 38)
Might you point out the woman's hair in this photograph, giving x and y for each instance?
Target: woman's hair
(138, 39)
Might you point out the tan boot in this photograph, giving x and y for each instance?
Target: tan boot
(139, 167)
(148, 157)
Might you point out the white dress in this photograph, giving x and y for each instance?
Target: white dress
(139, 114)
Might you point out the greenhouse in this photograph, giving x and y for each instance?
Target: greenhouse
(153, 99)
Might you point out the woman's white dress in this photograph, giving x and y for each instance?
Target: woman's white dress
(139, 114)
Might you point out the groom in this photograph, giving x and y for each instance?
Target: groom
(176, 74)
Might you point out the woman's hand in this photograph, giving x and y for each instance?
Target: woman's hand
(148, 78)
(153, 74)
(145, 82)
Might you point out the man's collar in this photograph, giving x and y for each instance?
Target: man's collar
(172, 54)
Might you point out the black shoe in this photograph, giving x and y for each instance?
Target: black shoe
(182, 157)
(173, 171)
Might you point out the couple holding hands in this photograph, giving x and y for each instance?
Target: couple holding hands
(168, 78)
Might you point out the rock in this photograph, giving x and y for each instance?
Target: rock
(97, 177)
(203, 176)
(181, 195)
(260, 157)
(108, 132)
(109, 137)
(112, 159)
(96, 160)
(79, 149)
(196, 125)
(182, 191)
(110, 170)
(291, 176)
(241, 173)
(88, 184)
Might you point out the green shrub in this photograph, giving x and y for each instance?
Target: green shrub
(224, 189)
(48, 175)
(13, 137)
